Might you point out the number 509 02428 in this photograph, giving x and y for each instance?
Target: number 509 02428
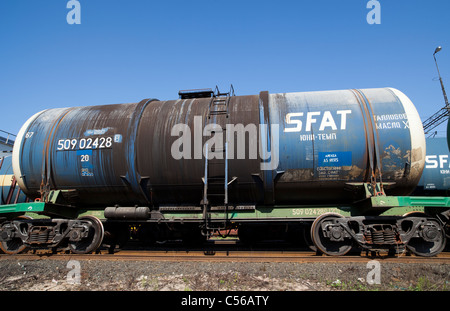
(84, 143)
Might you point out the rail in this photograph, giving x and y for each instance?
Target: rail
(230, 255)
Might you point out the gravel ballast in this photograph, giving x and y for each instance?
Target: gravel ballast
(94, 275)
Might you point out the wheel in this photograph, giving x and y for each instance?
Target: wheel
(333, 243)
(431, 240)
(15, 245)
(306, 233)
(93, 239)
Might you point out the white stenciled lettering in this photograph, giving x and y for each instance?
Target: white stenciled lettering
(391, 121)
(310, 120)
(437, 161)
(388, 125)
(431, 161)
(390, 117)
(331, 136)
(84, 143)
(290, 120)
(443, 159)
(343, 114)
(326, 120)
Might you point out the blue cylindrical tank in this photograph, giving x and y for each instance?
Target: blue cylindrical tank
(286, 148)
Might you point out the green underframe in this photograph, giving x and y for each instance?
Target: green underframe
(376, 206)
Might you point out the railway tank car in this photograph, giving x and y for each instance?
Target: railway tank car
(122, 154)
(339, 163)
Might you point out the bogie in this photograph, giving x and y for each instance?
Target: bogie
(83, 235)
(333, 234)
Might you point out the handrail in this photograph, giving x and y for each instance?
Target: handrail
(9, 139)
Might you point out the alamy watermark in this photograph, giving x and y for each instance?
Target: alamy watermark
(374, 15)
(237, 141)
(74, 15)
(74, 275)
(222, 145)
(374, 275)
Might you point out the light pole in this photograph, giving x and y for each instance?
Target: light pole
(440, 79)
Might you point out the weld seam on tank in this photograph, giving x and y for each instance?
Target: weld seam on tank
(375, 155)
(133, 176)
(375, 133)
(47, 174)
(368, 135)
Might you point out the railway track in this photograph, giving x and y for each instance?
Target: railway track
(227, 256)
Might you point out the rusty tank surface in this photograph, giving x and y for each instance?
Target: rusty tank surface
(284, 148)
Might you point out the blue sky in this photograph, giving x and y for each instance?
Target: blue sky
(125, 51)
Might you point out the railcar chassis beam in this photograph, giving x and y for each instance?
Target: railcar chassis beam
(419, 224)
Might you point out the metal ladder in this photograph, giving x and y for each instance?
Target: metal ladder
(215, 178)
